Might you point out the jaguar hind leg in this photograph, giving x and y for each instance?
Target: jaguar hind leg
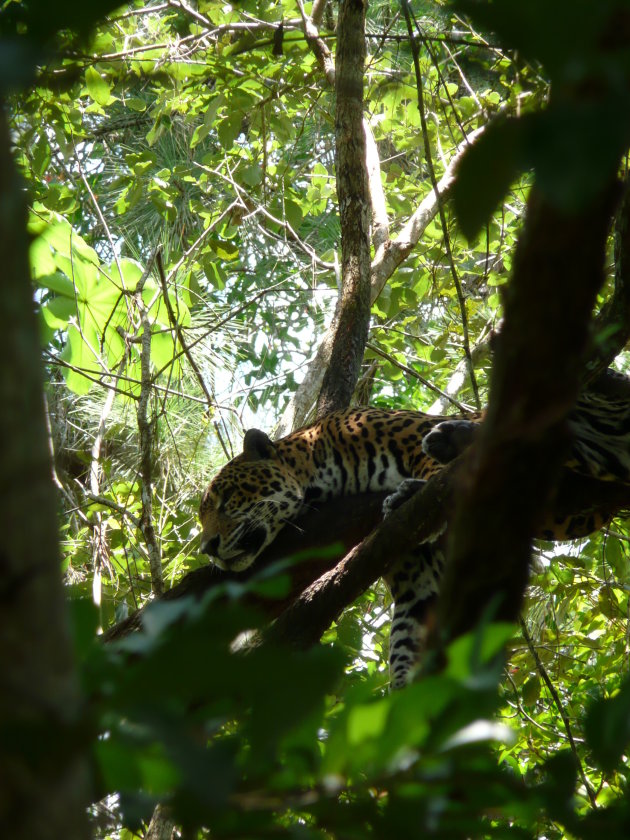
(414, 583)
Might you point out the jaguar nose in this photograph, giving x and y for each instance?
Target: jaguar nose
(211, 546)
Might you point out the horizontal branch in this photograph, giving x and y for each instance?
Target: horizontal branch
(309, 616)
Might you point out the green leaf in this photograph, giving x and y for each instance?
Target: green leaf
(225, 249)
(228, 130)
(607, 728)
(136, 104)
(58, 283)
(80, 354)
(251, 175)
(41, 258)
(486, 171)
(367, 721)
(58, 312)
(97, 87)
(161, 350)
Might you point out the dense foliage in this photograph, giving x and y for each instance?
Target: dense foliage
(180, 166)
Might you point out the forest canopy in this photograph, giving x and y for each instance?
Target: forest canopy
(190, 256)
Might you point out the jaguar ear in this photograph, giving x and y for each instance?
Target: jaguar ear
(257, 446)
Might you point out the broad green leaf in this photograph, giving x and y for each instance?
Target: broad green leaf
(62, 238)
(161, 350)
(367, 721)
(485, 173)
(81, 351)
(41, 258)
(228, 128)
(58, 283)
(97, 87)
(607, 728)
(251, 175)
(58, 312)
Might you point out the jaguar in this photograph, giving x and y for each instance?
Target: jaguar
(357, 450)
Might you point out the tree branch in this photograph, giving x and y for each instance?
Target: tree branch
(612, 325)
(516, 461)
(422, 516)
(45, 791)
(558, 703)
(326, 532)
(146, 432)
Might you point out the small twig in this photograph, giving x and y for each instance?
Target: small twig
(145, 428)
(447, 242)
(548, 730)
(103, 222)
(199, 240)
(186, 350)
(418, 376)
(253, 208)
(102, 500)
(558, 704)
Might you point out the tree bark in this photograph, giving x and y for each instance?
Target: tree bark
(353, 314)
(537, 372)
(44, 780)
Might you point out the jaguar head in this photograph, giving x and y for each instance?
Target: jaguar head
(248, 503)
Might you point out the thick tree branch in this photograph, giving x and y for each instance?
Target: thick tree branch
(380, 219)
(304, 622)
(346, 522)
(558, 270)
(310, 614)
(327, 532)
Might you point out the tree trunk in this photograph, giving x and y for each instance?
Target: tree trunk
(537, 372)
(43, 779)
(353, 314)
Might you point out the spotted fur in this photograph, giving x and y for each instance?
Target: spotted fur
(371, 449)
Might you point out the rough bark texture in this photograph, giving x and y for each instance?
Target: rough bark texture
(353, 313)
(539, 359)
(161, 826)
(43, 782)
(309, 615)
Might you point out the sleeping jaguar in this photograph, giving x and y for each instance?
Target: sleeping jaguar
(372, 449)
